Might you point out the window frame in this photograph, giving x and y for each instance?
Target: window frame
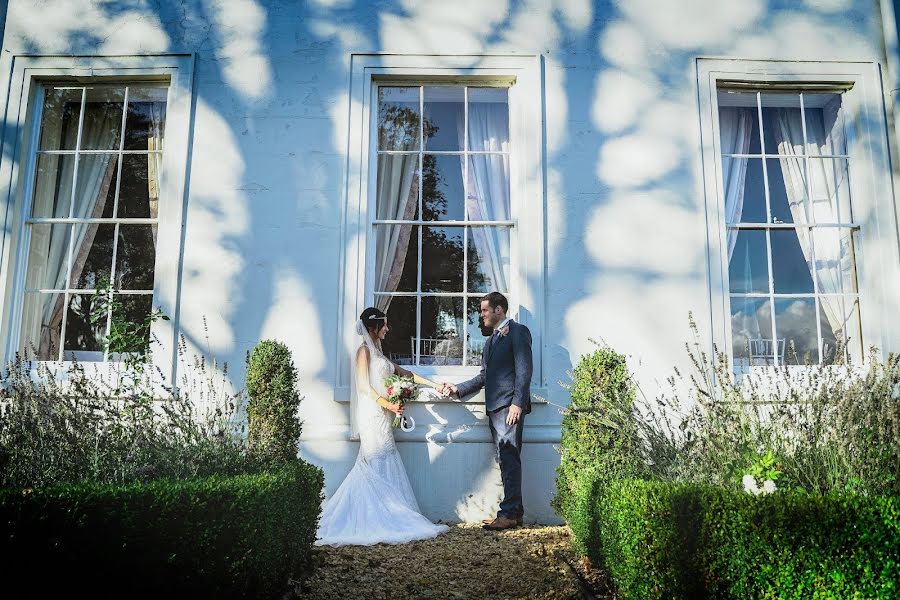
(871, 189)
(27, 76)
(465, 224)
(522, 76)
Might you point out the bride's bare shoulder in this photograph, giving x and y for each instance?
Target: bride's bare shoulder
(362, 352)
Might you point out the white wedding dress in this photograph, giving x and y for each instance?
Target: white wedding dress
(375, 503)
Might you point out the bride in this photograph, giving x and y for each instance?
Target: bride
(375, 503)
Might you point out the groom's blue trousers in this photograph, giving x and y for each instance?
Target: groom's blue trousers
(508, 447)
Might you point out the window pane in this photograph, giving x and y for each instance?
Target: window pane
(139, 192)
(92, 260)
(102, 128)
(59, 118)
(145, 122)
(835, 260)
(751, 331)
(487, 192)
(53, 186)
(747, 205)
(824, 124)
(795, 323)
(442, 188)
(444, 118)
(841, 331)
(134, 311)
(84, 339)
(396, 257)
(398, 187)
(476, 332)
(96, 188)
(398, 118)
(48, 256)
(400, 342)
(135, 257)
(782, 122)
(442, 326)
(41, 322)
(787, 196)
(748, 269)
(790, 270)
(488, 119)
(829, 185)
(442, 259)
(488, 259)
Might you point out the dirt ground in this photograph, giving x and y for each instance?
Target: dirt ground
(466, 562)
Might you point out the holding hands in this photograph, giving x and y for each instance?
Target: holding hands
(448, 389)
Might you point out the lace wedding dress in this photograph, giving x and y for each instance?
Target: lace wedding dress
(375, 503)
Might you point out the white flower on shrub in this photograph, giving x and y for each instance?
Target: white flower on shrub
(750, 484)
(751, 487)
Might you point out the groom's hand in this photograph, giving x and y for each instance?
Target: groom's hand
(512, 417)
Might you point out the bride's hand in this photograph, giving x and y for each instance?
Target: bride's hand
(396, 408)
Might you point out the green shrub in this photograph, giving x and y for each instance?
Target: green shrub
(677, 540)
(599, 432)
(117, 424)
(223, 537)
(819, 428)
(273, 427)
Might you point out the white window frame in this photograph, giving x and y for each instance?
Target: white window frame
(527, 198)
(26, 76)
(871, 184)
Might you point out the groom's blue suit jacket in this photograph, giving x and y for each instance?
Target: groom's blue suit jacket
(506, 366)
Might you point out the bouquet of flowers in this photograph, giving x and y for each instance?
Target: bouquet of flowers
(401, 390)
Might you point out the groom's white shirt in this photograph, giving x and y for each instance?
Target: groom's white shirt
(503, 324)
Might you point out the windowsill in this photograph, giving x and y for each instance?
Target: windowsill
(429, 396)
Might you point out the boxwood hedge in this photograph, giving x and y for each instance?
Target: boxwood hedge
(227, 537)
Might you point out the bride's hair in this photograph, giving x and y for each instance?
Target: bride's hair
(372, 318)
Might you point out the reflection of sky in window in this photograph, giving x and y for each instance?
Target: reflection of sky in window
(449, 183)
(754, 207)
(748, 268)
(778, 199)
(447, 118)
(789, 269)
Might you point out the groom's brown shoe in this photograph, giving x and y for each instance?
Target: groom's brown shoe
(491, 520)
(501, 523)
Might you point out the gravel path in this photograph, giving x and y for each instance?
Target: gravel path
(466, 562)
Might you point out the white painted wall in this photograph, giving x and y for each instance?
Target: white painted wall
(626, 235)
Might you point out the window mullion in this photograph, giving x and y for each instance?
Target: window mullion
(417, 353)
(762, 145)
(811, 229)
(465, 265)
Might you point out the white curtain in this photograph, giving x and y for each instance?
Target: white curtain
(487, 189)
(154, 161)
(398, 187)
(822, 198)
(41, 321)
(735, 125)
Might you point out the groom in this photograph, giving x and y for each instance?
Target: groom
(506, 366)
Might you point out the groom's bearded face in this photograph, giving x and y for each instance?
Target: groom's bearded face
(491, 316)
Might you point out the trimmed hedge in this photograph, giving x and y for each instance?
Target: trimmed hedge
(273, 429)
(678, 540)
(599, 432)
(223, 537)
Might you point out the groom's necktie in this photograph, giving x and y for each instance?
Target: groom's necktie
(491, 341)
